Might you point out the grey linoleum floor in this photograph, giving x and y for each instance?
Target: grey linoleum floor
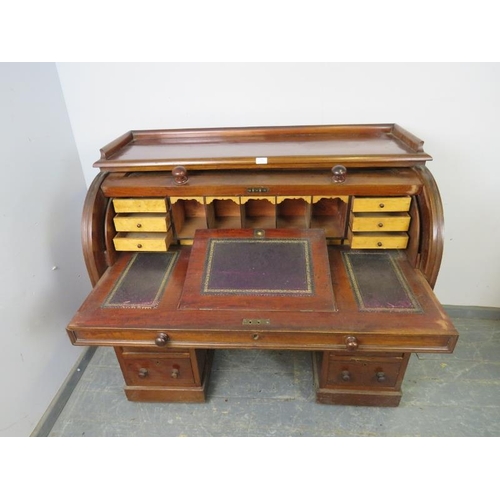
(271, 393)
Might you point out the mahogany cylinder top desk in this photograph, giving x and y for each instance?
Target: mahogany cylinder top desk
(320, 238)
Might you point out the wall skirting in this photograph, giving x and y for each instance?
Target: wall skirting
(473, 312)
(57, 405)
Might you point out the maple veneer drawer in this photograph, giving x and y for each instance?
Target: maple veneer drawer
(154, 222)
(131, 205)
(380, 222)
(349, 372)
(390, 204)
(143, 242)
(158, 371)
(379, 240)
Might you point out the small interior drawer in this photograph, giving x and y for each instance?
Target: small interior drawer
(397, 221)
(142, 242)
(389, 204)
(154, 222)
(381, 240)
(131, 205)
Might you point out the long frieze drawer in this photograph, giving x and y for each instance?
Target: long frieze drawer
(142, 242)
(396, 221)
(155, 222)
(131, 205)
(392, 204)
(379, 240)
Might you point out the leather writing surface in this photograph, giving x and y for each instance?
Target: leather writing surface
(281, 270)
(142, 282)
(258, 267)
(378, 283)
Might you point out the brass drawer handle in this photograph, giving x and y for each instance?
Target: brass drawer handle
(139, 245)
(139, 224)
(380, 224)
(382, 205)
(161, 340)
(346, 376)
(143, 372)
(380, 244)
(380, 377)
(351, 343)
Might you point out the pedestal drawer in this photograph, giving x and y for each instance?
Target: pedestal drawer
(158, 371)
(358, 372)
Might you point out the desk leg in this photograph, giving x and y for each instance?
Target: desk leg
(174, 375)
(371, 379)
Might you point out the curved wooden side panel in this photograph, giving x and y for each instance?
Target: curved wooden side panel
(432, 226)
(93, 241)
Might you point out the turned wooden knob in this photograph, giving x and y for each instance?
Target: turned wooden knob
(351, 343)
(175, 373)
(143, 372)
(161, 340)
(346, 376)
(339, 173)
(380, 376)
(180, 174)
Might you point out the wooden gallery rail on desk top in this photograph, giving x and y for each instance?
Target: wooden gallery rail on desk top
(320, 238)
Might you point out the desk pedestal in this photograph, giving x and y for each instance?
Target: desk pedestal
(362, 380)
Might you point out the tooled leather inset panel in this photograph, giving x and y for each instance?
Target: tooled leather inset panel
(274, 267)
(378, 282)
(143, 281)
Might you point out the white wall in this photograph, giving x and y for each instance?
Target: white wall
(41, 197)
(452, 107)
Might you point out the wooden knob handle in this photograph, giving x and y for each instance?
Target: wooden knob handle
(351, 343)
(180, 174)
(161, 340)
(339, 173)
(380, 376)
(143, 372)
(346, 376)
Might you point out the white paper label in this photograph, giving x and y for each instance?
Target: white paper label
(261, 160)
